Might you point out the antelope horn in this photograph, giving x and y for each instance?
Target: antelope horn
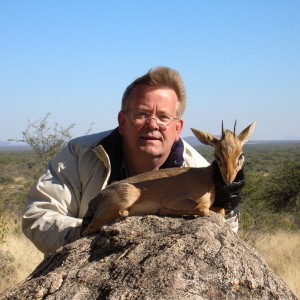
(234, 128)
(223, 132)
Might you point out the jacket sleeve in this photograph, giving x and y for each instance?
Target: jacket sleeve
(51, 218)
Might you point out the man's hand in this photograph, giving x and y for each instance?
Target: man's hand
(228, 196)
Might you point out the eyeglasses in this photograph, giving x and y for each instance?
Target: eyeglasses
(141, 117)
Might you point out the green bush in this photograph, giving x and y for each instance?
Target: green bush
(283, 188)
(270, 201)
(255, 218)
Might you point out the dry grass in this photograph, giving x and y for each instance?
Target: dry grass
(26, 258)
(282, 253)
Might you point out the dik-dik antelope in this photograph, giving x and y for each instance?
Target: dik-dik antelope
(174, 191)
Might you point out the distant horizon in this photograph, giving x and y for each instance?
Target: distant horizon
(187, 138)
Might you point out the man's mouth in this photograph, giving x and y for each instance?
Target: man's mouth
(149, 138)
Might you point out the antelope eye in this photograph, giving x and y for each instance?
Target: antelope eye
(241, 158)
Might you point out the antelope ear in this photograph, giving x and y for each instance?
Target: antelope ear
(205, 138)
(245, 135)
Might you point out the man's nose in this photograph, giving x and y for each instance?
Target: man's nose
(152, 122)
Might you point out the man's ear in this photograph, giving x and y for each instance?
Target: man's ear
(121, 121)
(179, 127)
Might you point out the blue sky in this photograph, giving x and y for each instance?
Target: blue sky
(239, 60)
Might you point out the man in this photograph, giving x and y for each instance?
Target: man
(147, 138)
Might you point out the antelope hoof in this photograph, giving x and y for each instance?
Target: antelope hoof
(123, 213)
(218, 210)
(222, 212)
(204, 212)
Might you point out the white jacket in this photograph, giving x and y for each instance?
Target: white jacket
(57, 203)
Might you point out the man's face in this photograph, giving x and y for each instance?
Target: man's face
(148, 140)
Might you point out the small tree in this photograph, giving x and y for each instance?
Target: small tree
(44, 140)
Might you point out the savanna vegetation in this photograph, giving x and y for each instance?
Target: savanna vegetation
(270, 210)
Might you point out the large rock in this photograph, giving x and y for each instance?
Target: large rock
(155, 258)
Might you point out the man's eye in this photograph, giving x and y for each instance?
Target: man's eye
(141, 115)
(164, 118)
